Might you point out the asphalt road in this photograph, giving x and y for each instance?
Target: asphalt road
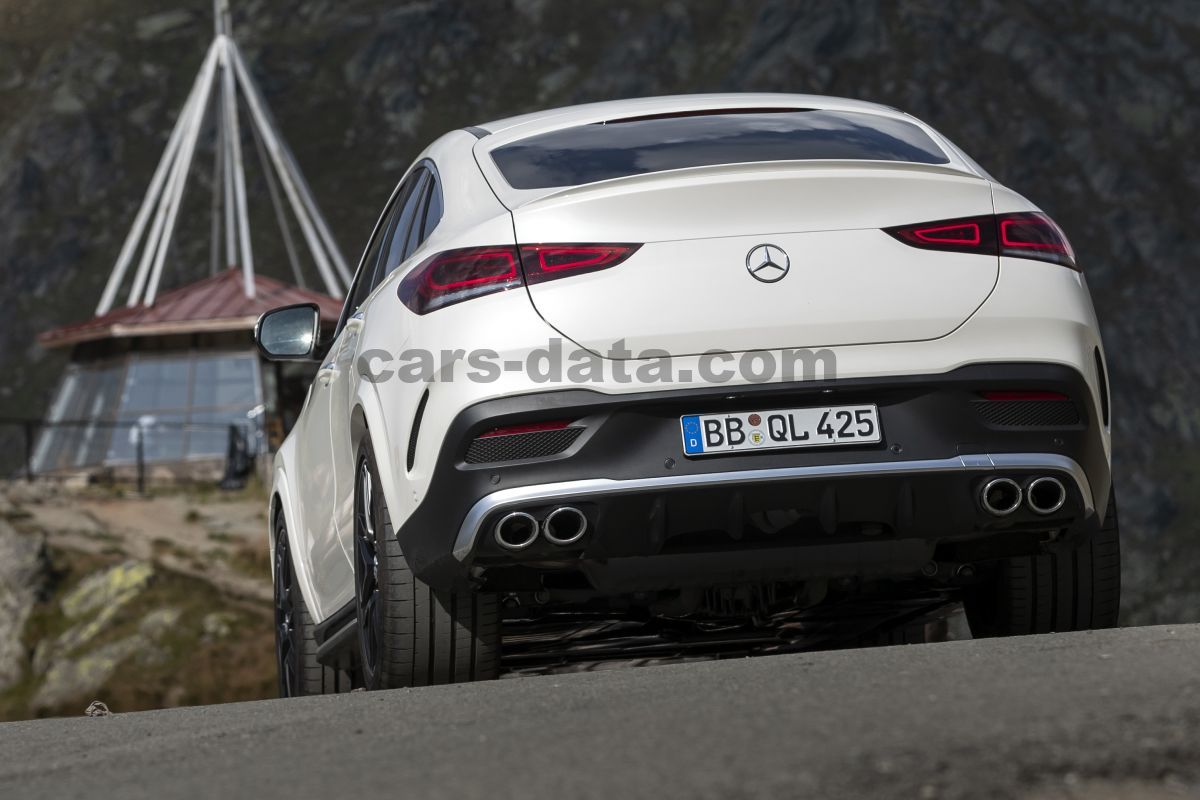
(1113, 714)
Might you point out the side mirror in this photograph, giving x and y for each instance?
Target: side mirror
(290, 333)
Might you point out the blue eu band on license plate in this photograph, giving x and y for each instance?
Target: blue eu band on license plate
(692, 436)
(704, 434)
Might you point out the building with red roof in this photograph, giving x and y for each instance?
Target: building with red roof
(172, 378)
(211, 305)
(178, 374)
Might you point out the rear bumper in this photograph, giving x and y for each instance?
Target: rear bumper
(660, 520)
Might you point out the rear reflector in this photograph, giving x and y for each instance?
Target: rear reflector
(456, 275)
(528, 427)
(1024, 235)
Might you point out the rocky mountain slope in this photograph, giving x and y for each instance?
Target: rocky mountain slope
(140, 602)
(1086, 107)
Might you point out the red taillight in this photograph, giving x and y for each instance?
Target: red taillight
(529, 427)
(544, 262)
(1023, 235)
(456, 275)
(964, 234)
(1034, 236)
(1022, 395)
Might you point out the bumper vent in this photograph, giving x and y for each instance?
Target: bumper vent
(520, 446)
(1027, 413)
(416, 429)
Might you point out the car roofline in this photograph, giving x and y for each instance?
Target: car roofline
(493, 135)
(612, 110)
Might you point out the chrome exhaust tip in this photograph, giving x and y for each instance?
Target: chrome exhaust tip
(516, 531)
(1045, 495)
(1000, 497)
(564, 525)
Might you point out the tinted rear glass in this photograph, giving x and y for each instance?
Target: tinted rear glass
(601, 151)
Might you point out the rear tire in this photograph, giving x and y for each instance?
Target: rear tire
(1076, 590)
(295, 645)
(410, 634)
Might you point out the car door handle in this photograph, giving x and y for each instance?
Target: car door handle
(327, 373)
(355, 323)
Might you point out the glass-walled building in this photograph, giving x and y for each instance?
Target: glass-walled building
(181, 404)
(173, 379)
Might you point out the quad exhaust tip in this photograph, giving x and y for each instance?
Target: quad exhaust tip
(1000, 496)
(516, 531)
(1045, 495)
(564, 525)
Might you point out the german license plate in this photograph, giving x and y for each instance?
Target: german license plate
(704, 434)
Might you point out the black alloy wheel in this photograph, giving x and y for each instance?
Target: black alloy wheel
(366, 573)
(287, 633)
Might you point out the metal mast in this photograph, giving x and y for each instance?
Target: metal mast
(223, 80)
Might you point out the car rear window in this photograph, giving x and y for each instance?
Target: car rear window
(605, 150)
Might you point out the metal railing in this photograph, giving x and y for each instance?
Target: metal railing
(243, 445)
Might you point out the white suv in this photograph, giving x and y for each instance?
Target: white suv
(632, 355)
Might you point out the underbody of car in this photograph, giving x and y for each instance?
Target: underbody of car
(949, 429)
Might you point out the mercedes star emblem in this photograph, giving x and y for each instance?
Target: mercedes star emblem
(767, 263)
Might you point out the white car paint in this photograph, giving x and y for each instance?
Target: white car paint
(908, 312)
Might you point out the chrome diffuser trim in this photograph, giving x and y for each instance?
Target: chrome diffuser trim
(566, 491)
